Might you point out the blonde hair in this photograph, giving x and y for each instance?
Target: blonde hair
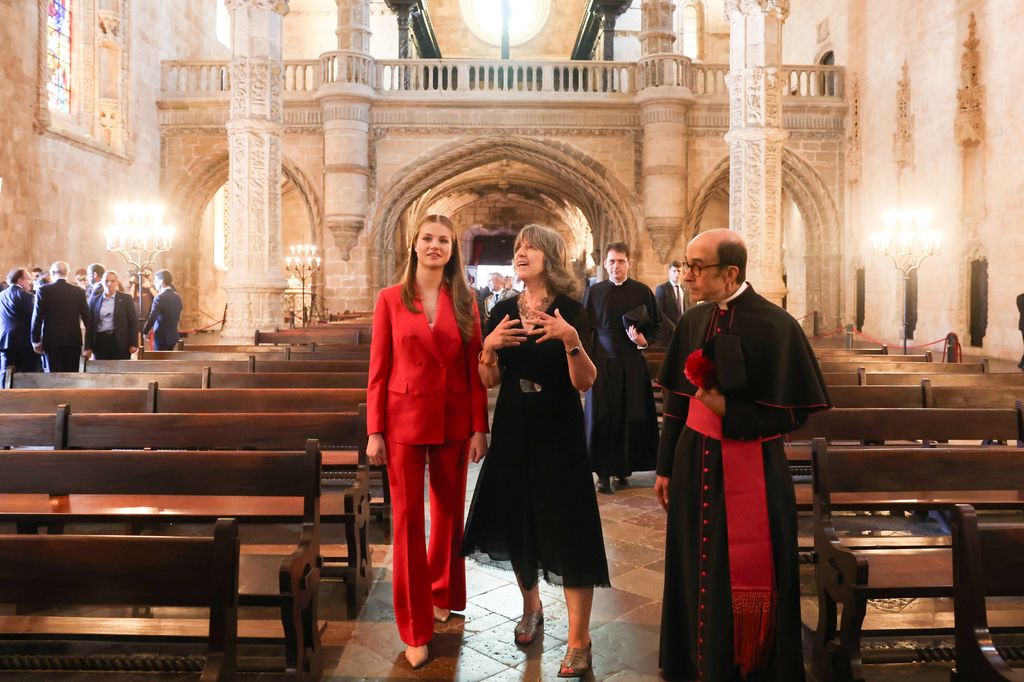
(463, 301)
(560, 279)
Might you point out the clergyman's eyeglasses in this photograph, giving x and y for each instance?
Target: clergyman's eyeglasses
(698, 268)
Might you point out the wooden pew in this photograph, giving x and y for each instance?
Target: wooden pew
(878, 396)
(914, 378)
(102, 380)
(885, 364)
(222, 400)
(105, 570)
(841, 378)
(252, 364)
(988, 561)
(971, 396)
(928, 425)
(131, 486)
(355, 334)
(360, 353)
(346, 501)
(886, 479)
(288, 380)
(30, 430)
(91, 400)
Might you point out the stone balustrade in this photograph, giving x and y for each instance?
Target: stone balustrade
(442, 77)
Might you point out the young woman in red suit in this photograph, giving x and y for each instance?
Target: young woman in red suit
(426, 405)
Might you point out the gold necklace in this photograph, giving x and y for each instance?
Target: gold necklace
(527, 312)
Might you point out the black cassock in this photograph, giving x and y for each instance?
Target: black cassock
(783, 387)
(622, 425)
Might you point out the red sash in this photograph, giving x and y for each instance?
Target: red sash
(751, 575)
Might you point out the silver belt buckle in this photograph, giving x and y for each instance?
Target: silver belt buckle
(527, 386)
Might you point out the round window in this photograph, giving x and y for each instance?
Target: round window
(526, 19)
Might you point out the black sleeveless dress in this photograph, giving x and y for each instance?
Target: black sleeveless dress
(534, 509)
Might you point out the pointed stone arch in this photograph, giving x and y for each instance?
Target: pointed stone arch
(821, 218)
(611, 208)
(187, 201)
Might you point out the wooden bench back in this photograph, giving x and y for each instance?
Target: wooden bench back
(163, 472)
(191, 366)
(30, 430)
(902, 424)
(85, 400)
(872, 378)
(98, 380)
(877, 396)
(288, 380)
(841, 378)
(873, 359)
(270, 353)
(884, 364)
(972, 396)
(896, 470)
(354, 334)
(258, 400)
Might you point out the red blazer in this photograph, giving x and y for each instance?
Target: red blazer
(424, 387)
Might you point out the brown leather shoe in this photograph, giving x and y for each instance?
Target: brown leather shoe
(528, 628)
(577, 662)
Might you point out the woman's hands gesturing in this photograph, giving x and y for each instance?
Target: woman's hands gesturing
(554, 327)
(507, 334)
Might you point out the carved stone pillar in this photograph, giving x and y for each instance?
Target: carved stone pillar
(255, 282)
(663, 105)
(756, 137)
(345, 104)
(656, 34)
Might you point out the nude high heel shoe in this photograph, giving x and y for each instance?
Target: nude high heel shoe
(417, 656)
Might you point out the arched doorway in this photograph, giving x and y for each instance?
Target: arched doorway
(493, 184)
(201, 257)
(810, 233)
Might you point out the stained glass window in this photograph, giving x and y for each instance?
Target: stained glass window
(58, 54)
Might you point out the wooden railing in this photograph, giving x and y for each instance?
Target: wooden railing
(439, 76)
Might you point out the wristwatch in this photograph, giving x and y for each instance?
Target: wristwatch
(574, 351)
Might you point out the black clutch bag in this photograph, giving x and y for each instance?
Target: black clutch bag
(730, 366)
(638, 317)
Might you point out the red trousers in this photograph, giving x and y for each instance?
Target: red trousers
(424, 577)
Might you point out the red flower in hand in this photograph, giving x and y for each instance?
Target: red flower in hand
(699, 370)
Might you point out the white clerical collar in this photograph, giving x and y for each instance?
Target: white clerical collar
(617, 284)
(724, 305)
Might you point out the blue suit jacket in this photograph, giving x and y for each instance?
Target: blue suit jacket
(59, 313)
(163, 319)
(16, 318)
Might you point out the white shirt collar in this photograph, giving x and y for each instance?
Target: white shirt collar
(617, 284)
(725, 304)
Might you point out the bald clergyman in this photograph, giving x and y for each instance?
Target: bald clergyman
(731, 603)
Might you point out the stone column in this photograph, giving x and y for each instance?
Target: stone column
(756, 137)
(402, 10)
(663, 101)
(345, 104)
(610, 11)
(255, 282)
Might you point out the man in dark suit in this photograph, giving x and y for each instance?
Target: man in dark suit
(671, 300)
(60, 310)
(1020, 324)
(165, 314)
(113, 330)
(94, 280)
(16, 303)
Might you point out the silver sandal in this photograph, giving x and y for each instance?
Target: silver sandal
(529, 625)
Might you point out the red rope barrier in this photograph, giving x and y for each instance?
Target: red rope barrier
(917, 345)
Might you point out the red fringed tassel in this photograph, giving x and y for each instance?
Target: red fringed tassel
(753, 622)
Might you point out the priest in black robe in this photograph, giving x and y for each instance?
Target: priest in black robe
(738, 374)
(622, 425)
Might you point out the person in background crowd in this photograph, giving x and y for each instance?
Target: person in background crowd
(94, 277)
(39, 278)
(16, 303)
(496, 284)
(113, 330)
(426, 407)
(622, 424)
(165, 314)
(671, 299)
(60, 311)
(80, 279)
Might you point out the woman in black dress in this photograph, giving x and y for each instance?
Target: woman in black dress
(534, 508)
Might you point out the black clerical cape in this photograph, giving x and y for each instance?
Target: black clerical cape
(780, 385)
(622, 425)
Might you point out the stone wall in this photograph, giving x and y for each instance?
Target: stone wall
(873, 39)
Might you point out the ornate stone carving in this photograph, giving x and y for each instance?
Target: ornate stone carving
(777, 8)
(970, 98)
(346, 234)
(903, 138)
(656, 34)
(853, 142)
(664, 233)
